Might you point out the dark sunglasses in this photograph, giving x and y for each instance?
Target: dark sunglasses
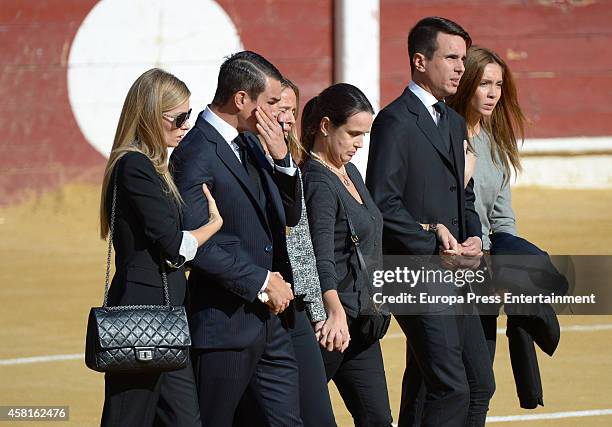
(179, 119)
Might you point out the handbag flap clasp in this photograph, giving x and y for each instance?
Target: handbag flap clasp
(144, 354)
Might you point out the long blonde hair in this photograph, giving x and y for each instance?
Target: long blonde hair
(140, 129)
(507, 123)
(295, 146)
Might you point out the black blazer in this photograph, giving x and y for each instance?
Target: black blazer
(520, 266)
(414, 179)
(229, 270)
(147, 229)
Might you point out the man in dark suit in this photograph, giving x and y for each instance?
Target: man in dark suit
(415, 175)
(240, 279)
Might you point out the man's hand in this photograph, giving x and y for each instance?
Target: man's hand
(271, 133)
(279, 293)
(446, 239)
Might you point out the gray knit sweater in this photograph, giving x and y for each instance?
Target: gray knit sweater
(493, 197)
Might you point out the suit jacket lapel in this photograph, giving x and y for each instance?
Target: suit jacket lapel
(227, 156)
(427, 125)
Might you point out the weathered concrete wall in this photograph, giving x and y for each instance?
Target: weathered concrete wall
(560, 51)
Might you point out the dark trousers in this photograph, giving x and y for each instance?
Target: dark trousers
(162, 399)
(315, 404)
(489, 327)
(448, 379)
(267, 369)
(359, 375)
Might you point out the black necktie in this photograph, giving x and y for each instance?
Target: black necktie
(443, 125)
(242, 154)
(251, 170)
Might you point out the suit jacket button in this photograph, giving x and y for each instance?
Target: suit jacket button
(455, 221)
(453, 188)
(268, 248)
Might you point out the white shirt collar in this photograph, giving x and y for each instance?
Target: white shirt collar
(227, 131)
(426, 98)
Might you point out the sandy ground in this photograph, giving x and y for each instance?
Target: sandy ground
(53, 269)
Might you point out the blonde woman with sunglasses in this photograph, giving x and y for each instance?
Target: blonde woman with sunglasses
(148, 238)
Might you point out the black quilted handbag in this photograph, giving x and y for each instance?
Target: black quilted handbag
(136, 338)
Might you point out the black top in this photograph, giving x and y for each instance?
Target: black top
(147, 230)
(336, 258)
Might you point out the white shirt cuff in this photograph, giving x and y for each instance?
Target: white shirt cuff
(287, 170)
(187, 250)
(189, 246)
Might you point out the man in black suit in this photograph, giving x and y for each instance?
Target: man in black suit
(240, 279)
(416, 176)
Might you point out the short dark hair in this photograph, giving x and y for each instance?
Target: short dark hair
(245, 71)
(338, 102)
(423, 36)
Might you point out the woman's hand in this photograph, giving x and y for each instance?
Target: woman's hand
(215, 221)
(333, 333)
(317, 326)
(214, 217)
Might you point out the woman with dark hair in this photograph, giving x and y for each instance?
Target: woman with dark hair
(333, 126)
(148, 240)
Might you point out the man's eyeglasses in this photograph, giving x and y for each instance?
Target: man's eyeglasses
(179, 119)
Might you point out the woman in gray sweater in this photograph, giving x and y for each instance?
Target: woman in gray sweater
(487, 98)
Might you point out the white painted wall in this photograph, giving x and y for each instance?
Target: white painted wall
(571, 145)
(577, 162)
(119, 40)
(112, 48)
(558, 163)
(357, 54)
(579, 172)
